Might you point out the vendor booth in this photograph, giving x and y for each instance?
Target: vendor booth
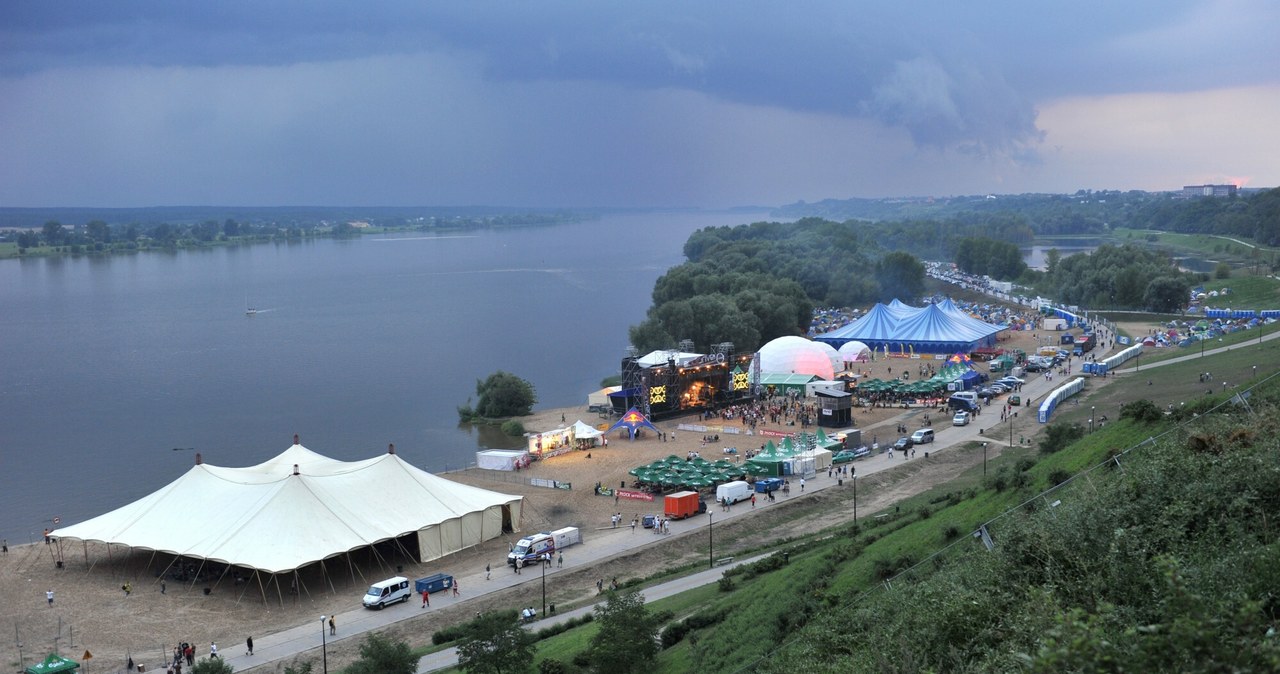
(502, 459)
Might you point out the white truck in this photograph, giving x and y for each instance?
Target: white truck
(527, 550)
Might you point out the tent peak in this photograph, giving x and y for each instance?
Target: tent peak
(391, 448)
(198, 459)
(296, 441)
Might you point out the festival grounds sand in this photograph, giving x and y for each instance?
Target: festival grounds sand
(94, 614)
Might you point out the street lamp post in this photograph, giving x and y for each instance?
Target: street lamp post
(711, 543)
(324, 649)
(855, 496)
(544, 563)
(1093, 414)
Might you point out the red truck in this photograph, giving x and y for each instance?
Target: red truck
(683, 504)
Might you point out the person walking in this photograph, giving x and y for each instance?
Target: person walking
(213, 650)
(455, 588)
(49, 596)
(560, 561)
(426, 598)
(333, 627)
(248, 643)
(486, 572)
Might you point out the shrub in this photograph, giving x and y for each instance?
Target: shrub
(1142, 411)
(513, 428)
(1058, 436)
(1058, 476)
(950, 532)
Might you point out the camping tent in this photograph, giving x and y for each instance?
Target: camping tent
(600, 399)
(301, 507)
(582, 431)
(633, 421)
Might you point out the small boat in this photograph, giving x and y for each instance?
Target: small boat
(248, 310)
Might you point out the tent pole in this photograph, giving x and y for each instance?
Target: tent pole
(196, 577)
(325, 571)
(279, 593)
(170, 566)
(302, 587)
(247, 584)
(351, 567)
(403, 550)
(86, 551)
(151, 559)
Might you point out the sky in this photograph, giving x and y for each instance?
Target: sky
(639, 104)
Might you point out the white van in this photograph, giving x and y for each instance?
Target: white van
(734, 491)
(386, 592)
(922, 436)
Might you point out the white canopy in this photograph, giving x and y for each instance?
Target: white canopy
(301, 507)
(582, 431)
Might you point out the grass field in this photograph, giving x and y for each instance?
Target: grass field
(1247, 292)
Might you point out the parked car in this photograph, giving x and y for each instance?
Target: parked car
(903, 443)
(1010, 381)
(922, 437)
(843, 456)
(987, 393)
(1035, 366)
(999, 388)
(960, 419)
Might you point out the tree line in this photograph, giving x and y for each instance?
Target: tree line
(752, 283)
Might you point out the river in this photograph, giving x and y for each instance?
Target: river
(117, 370)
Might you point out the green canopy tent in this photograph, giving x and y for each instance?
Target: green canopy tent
(53, 663)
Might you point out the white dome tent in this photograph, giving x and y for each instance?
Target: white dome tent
(796, 355)
(837, 360)
(855, 352)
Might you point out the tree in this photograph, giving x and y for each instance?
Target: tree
(1223, 270)
(627, 638)
(212, 666)
(98, 231)
(53, 233)
(380, 655)
(1051, 259)
(900, 275)
(495, 644)
(1166, 294)
(504, 395)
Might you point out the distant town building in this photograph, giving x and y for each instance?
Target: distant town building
(1193, 191)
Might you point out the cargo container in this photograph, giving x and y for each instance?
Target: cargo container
(433, 584)
(683, 504)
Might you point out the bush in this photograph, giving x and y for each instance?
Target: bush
(950, 532)
(1057, 477)
(513, 428)
(1058, 436)
(455, 632)
(1142, 411)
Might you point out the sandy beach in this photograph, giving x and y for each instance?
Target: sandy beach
(91, 611)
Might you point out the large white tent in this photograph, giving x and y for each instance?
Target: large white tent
(301, 507)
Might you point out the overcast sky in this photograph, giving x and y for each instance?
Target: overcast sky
(131, 103)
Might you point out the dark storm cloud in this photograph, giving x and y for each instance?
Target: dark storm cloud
(578, 102)
(924, 67)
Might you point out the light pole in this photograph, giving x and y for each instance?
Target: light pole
(1093, 414)
(984, 448)
(711, 543)
(543, 563)
(855, 496)
(324, 642)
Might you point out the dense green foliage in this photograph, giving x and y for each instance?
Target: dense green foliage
(626, 639)
(502, 394)
(1167, 565)
(380, 655)
(980, 255)
(496, 644)
(1121, 276)
(212, 666)
(752, 283)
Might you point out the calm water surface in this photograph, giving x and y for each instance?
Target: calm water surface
(107, 365)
